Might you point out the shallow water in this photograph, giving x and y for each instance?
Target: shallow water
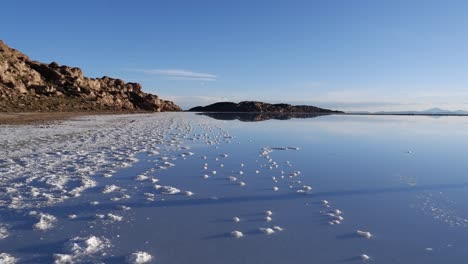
(403, 179)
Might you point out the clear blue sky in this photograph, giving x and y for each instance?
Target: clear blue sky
(351, 55)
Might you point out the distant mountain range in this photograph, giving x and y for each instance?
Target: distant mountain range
(432, 111)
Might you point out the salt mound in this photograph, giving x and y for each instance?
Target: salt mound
(7, 259)
(46, 221)
(114, 217)
(3, 232)
(267, 231)
(110, 188)
(365, 257)
(169, 190)
(364, 234)
(63, 259)
(139, 257)
(237, 234)
(80, 249)
(86, 246)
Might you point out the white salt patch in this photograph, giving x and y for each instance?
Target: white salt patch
(81, 248)
(72, 216)
(236, 219)
(139, 257)
(188, 193)
(7, 259)
(169, 190)
(237, 234)
(365, 257)
(278, 228)
(3, 231)
(242, 183)
(63, 259)
(213, 172)
(110, 188)
(114, 218)
(275, 188)
(268, 219)
(267, 231)
(141, 177)
(94, 203)
(232, 178)
(46, 221)
(205, 176)
(268, 213)
(100, 216)
(123, 207)
(364, 234)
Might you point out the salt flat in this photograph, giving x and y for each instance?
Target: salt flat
(184, 188)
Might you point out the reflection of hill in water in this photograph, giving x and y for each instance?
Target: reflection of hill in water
(254, 117)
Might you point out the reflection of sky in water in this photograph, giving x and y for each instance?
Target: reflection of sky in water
(401, 178)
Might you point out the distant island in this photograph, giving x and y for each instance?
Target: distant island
(261, 107)
(31, 86)
(256, 117)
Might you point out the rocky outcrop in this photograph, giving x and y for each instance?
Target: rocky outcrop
(260, 107)
(256, 117)
(28, 86)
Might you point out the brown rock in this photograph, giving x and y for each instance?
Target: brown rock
(27, 85)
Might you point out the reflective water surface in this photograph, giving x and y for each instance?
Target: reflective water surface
(402, 179)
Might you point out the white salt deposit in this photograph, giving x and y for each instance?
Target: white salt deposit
(364, 234)
(237, 234)
(110, 188)
(278, 228)
(114, 218)
(236, 219)
(3, 231)
(232, 178)
(242, 183)
(72, 216)
(63, 259)
(80, 249)
(46, 221)
(268, 219)
(141, 177)
(188, 193)
(139, 257)
(275, 188)
(365, 257)
(7, 259)
(268, 213)
(266, 231)
(169, 190)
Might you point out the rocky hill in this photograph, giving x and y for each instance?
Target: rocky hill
(29, 86)
(260, 107)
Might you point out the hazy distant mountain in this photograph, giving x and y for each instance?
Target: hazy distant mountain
(432, 111)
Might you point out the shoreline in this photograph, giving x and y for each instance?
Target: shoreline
(25, 118)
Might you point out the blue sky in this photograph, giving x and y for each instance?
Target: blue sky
(350, 55)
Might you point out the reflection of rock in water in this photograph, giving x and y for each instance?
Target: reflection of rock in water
(254, 117)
